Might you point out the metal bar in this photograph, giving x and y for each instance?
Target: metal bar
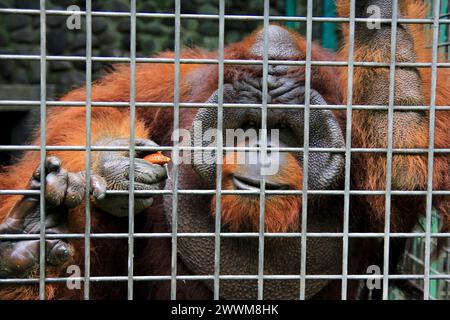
(130, 289)
(150, 15)
(225, 277)
(263, 153)
(219, 153)
(304, 222)
(370, 64)
(119, 104)
(43, 119)
(348, 154)
(428, 235)
(224, 235)
(87, 230)
(166, 148)
(176, 123)
(387, 216)
(430, 169)
(251, 192)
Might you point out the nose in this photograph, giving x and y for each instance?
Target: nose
(248, 175)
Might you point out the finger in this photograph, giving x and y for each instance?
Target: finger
(144, 143)
(54, 220)
(37, 174)
(278, 70)
(34, 184)
(316, 98)
(124, 185)
(18, 258)
(295, 95)
(273, 82)
(56, 187)
(75, 190)
(246, 87)
(283, 87)
(255, 83)
(228, 92)
(119, 205)
(58, 252)
(35, 181)
(141, 204)
(52, 164)
(98, 187)
(22, 209)
(148, 173)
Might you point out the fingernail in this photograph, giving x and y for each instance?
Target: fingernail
(54, 164)
(60, 253)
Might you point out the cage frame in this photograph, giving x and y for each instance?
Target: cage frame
(427, 235)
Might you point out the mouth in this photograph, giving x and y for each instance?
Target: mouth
(252, 184)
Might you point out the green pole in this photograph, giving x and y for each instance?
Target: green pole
(444, 10)
(329, 37)
(291, 11)
(434, 285)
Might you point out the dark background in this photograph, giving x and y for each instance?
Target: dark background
(20, 33)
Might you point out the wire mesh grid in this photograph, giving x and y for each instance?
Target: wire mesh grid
(427, 276)
(413, 263)
(414, 257)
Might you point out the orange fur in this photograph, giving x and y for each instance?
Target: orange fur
(410, 171)
(66, 126)
(154, 83)
(241, 213)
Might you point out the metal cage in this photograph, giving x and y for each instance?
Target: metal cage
(431, 279)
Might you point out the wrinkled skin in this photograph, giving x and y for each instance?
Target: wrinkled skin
(239, 256)
(111, 169)
(282, 89)
(65, 190)
(114, 168)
